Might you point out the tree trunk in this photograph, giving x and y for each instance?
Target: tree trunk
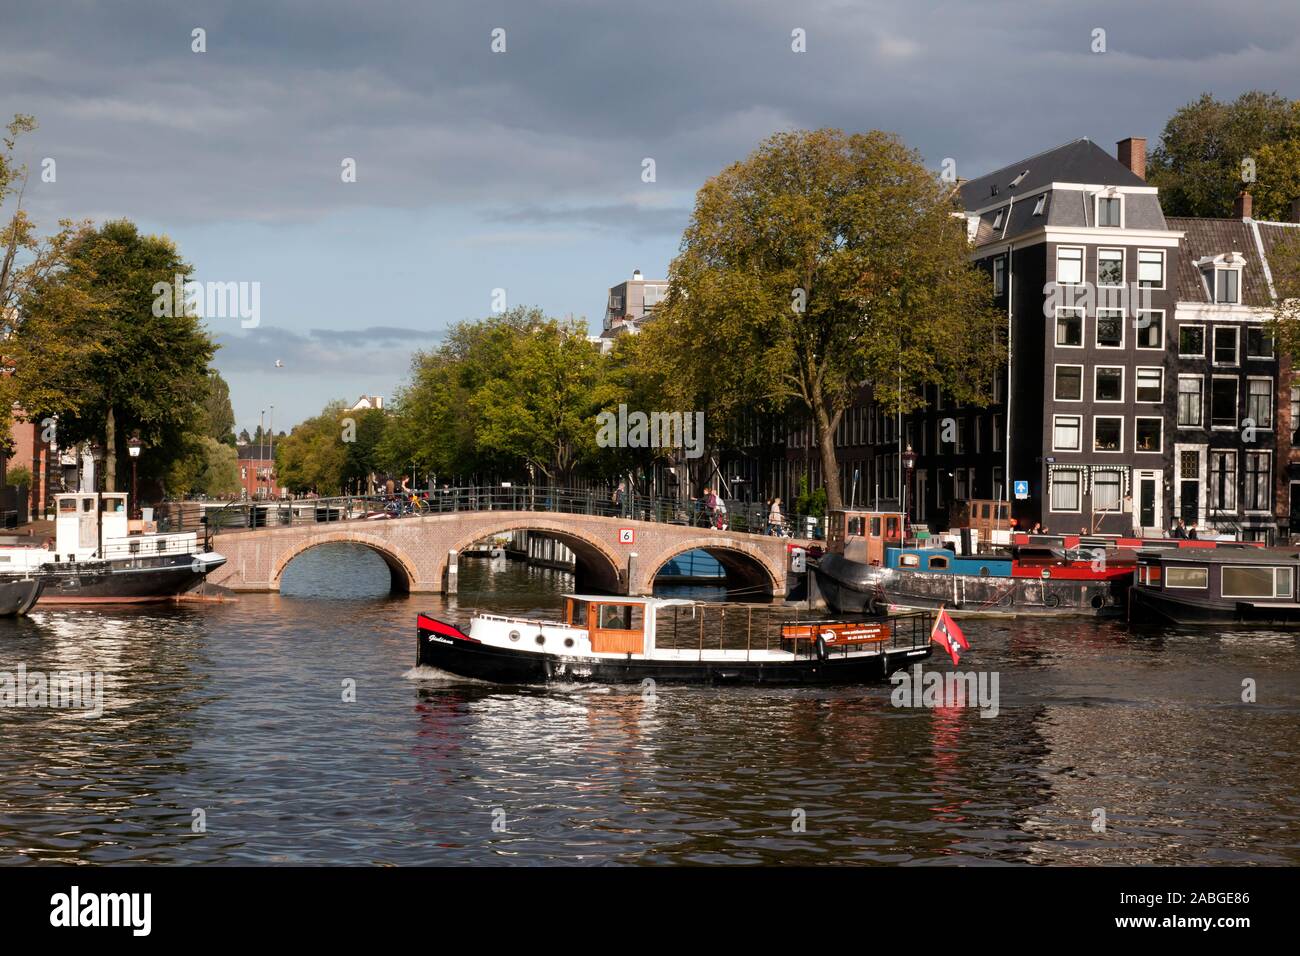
(826, 423)
(110, 452)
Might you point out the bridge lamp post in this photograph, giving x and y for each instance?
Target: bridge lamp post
(909, 465)
(133, 446)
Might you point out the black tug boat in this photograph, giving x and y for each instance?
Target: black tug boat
(627, 640)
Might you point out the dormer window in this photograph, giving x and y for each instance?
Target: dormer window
(1110, 209)
(1223, 277)
(1040, 205)
(997, 220)
(1019, 179)
(994, 189)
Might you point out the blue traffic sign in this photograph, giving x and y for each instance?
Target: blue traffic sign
(1021, 489)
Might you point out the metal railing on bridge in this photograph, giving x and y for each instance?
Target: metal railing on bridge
(246, 515)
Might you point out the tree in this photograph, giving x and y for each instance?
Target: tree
(1284, 263)
(313, 456)
(92, 348)
(218, 415)
(19, 476)
(206, 467)
(1198, 164)
(824, 263)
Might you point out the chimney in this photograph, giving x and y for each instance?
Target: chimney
(1132, 152)
(1241, 209)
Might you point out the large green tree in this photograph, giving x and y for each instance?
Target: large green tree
(1198, 163)
(313, 457)
(822, 263)
(91, 347)
(218, 415)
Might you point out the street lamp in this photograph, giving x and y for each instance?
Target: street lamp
(909, 463)
(97, 456)
(133, 446)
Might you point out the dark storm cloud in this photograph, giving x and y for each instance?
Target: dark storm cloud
(555, 129)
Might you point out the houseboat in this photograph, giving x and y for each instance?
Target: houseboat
(628, 640)
(97, 558)
(1216, 585)
(867, 569)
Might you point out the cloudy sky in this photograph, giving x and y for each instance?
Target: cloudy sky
(522, 170)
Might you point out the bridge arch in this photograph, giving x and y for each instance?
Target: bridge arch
(401, 568)
(750, 573)
(597, 568)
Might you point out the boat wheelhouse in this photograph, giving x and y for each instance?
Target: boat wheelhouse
(615, 639)
(1217, 585)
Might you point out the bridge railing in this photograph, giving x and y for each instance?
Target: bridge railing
(751, 517)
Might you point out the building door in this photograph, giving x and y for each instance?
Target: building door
(1147, 508)
(1189, 468)
(1295, 507)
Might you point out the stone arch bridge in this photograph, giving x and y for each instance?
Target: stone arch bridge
(422, 551)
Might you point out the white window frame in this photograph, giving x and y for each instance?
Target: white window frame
(1137, 384)
(1159, 450)
(1051, 507)
(1200, 379)
(1236, 349)
(1243, 481)
(1236, 402)
(1122, 384)
(1123, 334)
(1078, 421)
(1138, 330)
(1123, 268)
(1114, 451)
(1083, 326)
(1096, 207)
(1210, 272)
(1271, 404)
(1264, 331)
(1083, 259)
(1186, 587)
(1204, 339)
(1164, 268)
(1055, 372)
(1255, 567)
(999, 275)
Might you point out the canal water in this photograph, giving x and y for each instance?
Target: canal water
(227, 737)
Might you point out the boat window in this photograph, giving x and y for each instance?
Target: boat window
(578, 613)
(891, 527)
(87, 504)
(875, 527)
(856, 525)
(938, 564)
(1256, 582)
(619, 617)
(909, 561)
(68, 504)
(1187, 578)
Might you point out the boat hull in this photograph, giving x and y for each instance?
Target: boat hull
(18, 595)
(446, 648)
(142, 580)
(851, 587)
(1154, 607)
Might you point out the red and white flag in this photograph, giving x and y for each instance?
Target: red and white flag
(948, 635)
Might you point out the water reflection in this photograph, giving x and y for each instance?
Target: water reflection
(238, 710)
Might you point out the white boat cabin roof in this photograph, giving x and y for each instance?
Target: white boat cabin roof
(648, 602)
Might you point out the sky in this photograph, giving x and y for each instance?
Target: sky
(523, 170)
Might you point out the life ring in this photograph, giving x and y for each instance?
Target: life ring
(1051, 600)
(820, 646)
(875, 607)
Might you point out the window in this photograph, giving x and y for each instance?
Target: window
(1147, 434)
(1256, 488)
(1266, 582)
(1223, 480)
(997, 220)
(1189, 401)
(1225, 345)
(999, 275)
(1191, 341)
(1151, 269)
(1065, 490)
(1108, 384)
(1150, 329)
(1223, 403)
(1069, 266)
(1069, 383)
(1065, 433)
(1150, 384)
(1040, 205)
(1225, 285)
(1109, 211)
(1259, 402)
(1110, 328)
(997, 432)
(1110, 267)
(1069, 328)
(1105, 491)
(938, 564)
(1107, 433)
(1259, 342)
(1187, 577)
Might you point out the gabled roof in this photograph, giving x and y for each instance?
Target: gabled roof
(1206, 238)
(1079, 161)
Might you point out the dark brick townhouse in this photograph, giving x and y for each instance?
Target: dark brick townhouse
(1142, 384)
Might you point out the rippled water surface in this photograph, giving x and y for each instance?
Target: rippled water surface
(237, 710)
